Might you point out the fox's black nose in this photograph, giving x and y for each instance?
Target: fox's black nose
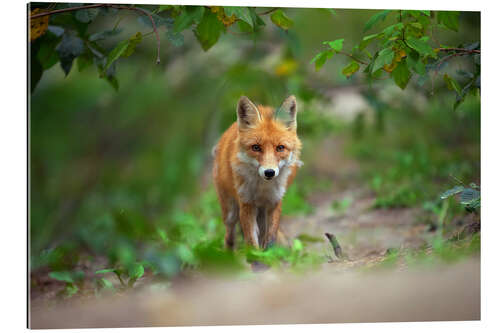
(269, 173)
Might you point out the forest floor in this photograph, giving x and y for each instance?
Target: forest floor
(340, 291)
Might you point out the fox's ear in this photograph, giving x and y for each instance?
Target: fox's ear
(287, 113)
(248, 114)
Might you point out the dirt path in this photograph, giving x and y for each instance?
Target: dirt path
(364, 234)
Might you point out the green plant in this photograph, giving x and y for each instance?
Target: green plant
(132, 273)
(470, 197)
(72, 279)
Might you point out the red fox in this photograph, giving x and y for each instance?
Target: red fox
(256, 159)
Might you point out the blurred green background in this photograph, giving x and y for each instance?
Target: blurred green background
(120, 177)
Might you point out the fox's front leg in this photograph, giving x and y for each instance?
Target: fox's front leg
(248, 221)
(273, 214)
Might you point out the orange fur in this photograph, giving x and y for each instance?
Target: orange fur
(240, 172)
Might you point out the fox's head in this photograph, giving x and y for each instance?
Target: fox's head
(268, 138)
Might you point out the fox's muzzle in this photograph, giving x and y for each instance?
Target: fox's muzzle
(268, 173)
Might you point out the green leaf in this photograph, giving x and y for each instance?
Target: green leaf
(133, 42)
(191, 15)
(242, 13)
(380, 16)
(104, 271)
(135, 271)
(449, 19)
(86, 15)
(401, 74)
(116, 53)
(469, 195)
(67, 276)
(176, 38)
(320, 58)
(415, 63)
(62, 276)
(384, 58)
(389, 31)
(257, 21)
(451, 192)
(70, 290)
(336, 45)
(68, 49)
(209, 30)
(420, 45)
(297, 245)
(350, 69)
(105, 284)
(244, 27)
(451, 83)
(47, 55)
(281, 20)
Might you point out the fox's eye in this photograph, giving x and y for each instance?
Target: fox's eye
(280, 148)
(256, 148)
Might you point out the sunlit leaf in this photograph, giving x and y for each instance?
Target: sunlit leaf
(350, 69)
(384, 57)
(335, 45)
(320, 59)
(281, 20)
(209, 30)
(420, 45)
(401, 74)
(242, 13)
(116, 53)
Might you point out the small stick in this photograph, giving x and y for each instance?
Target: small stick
(336, 246)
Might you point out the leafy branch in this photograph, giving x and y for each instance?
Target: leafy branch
(142, 11)
(66, 39)
(403, 50)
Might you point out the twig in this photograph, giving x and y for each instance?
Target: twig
(69, 9)
(268, 11)
(336, 246)
(448, 57)
(454, 49)
(353, 57)
(103, 5)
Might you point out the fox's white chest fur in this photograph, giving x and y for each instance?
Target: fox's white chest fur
(261, 192)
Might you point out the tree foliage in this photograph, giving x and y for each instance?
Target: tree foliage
(406, 49)
(402, 50)
(62, 37)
